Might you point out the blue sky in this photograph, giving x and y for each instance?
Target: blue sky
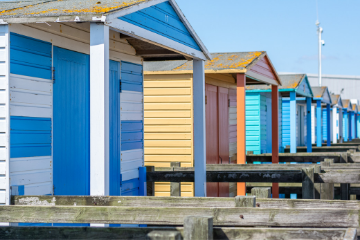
(284, 28)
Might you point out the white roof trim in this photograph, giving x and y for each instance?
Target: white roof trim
(140, 6)
(156, 39)
(190, 29)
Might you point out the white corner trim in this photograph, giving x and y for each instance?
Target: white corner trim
(133, 9)
(190, 28)
(101, 19)
(154, 38)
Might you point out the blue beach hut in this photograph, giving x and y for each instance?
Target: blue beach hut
(322, 99)
(296, 95)
(72, 114)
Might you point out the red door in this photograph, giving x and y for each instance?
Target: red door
(223, 118)
(217, 134)
(212, 137)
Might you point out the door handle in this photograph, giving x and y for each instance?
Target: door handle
(220, 159)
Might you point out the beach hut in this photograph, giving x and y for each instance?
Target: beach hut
(72, 93)
(322, 99)
(169, 109)
(346, 118)
(336, 118)
(296, 94)
(354, 114)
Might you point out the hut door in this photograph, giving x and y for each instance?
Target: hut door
(212, 134)
(223, 114)
(217, 134)
(71, 123)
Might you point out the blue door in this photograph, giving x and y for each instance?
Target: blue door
(71, 123)
(115, 129)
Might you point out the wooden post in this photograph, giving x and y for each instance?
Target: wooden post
(318, 124)
(328, 139)
(241, 129)
(308, 122)
(164, 235)
(327, 189)
(261, 192)
(334, 124)
(344, 191)
(275, 133)
(293, 122)
(99, 110)
(175, 187)
(199, 128)
(245, 201)
(196, 228)
(308, 188)
(351, 234)
(317, 169)
(150, 185)
(341, 132)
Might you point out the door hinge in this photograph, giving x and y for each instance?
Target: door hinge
(205, 99)
(53, 74)
(120, 86)
(228, 102)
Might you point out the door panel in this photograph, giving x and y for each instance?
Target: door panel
(71, 123)
(212, 137)
(223, 116)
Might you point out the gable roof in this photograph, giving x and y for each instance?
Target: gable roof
(355, 108)
(48, 8)
(322, 93)
(336, 100)
(290, 82)
(231, 62)
(347, 104)
(37, 11)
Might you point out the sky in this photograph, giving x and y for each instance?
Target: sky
(284, 28)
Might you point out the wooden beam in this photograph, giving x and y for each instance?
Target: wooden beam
(142, 233)
(348, 218)
(229, 176)
(155, 52)
(326, 149)
(275, 133)
(99, 109)
(300, 157)
(199, 128)
(241, 127)
(169, 202)
(308, 123)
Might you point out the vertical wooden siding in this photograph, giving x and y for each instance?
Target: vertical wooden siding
(168, 105)
(232, 136)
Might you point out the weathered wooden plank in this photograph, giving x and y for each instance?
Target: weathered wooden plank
(176, 202)
(300, 157)
(325, 149)
(228, 176)
(246, 167)
(175, 216)
(338, 176)
(141, 233)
